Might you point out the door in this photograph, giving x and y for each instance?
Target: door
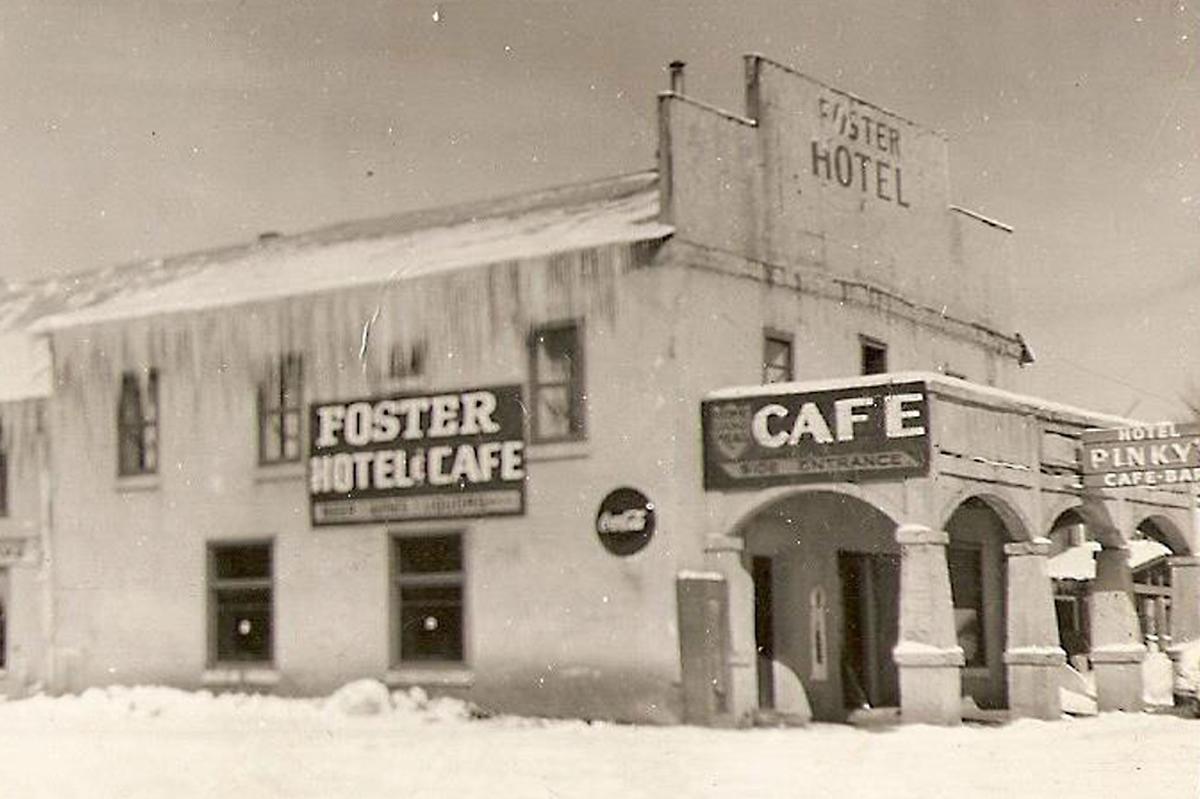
(870, 628)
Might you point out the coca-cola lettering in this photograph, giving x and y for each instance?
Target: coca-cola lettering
(625, 521)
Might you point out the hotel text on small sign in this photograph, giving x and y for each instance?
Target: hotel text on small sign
(1155, 455)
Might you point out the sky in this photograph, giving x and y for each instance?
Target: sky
(132, 129)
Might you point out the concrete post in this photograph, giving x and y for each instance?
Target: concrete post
(1117, 648)
(724, 554)
(1185, 603)
(928, 655)
(1033, 653)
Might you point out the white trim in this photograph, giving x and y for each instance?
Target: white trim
(451, 676)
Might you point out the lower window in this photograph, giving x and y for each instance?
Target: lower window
(428, 597)
(240, 602)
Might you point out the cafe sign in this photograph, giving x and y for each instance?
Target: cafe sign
(854, 434)
(419, 456)
(1156, 455)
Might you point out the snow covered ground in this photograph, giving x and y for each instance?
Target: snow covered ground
(156, 742)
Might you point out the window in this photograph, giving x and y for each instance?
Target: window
(556, 383)
(137, 424)
(407, 361)
(874, 356)
(3, 472)
(777, 358)
(428, 574)
(966, 590)
(3, 619)
(279, 410)
(240, 614)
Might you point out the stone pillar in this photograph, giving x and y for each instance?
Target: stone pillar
(1185, 603)
(928, 655)
(1033, 653)
(724, 554)
(1117, 648)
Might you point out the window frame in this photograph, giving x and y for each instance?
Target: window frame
(144, 432)
(214, 585)
(397, 580)
(274, 387)
(771, 335)
(575, 384)
(869, 344)
(4, 473)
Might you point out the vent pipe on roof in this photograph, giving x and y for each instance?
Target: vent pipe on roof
(676, 68)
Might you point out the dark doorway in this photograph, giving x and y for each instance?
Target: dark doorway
(764, 631)
(870, 628)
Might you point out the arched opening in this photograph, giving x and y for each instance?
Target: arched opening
(1072, 566)
(978, 583)
(826, 570)
(1149, 551)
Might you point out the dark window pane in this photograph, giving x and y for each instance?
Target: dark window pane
(150, 411)
(874, 358)
(242, 562)
(432, 594)
(429, 554)
(430, 631)
(966, 589)
(555, 355)
(130, 412)
(777, 360)
(553, 411)
(243, 625)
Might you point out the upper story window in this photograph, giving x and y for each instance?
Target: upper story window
(280, 398)
(556, 383)
(407, 361)
(777, 364)
(874, 356)
(137, 423)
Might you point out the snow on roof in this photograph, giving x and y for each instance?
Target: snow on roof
(1074, 563)
(621, 210)
(944, 383)
(615, 210)
(1079, 562)
(1144, 551)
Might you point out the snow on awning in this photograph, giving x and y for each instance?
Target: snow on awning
(309, 264)
(1075, 563)
(1144, 551)
(1079, 562)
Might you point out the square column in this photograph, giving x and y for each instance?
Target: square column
(1033, 655)
(928, 655)
(1117, 648)
(1185, 602)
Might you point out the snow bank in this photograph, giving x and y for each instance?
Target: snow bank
(362, 698)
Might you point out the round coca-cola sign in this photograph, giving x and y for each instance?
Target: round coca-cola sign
(625, 521)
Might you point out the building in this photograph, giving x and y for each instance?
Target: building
(734, 435)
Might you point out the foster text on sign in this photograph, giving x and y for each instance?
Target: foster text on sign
(441, 455)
